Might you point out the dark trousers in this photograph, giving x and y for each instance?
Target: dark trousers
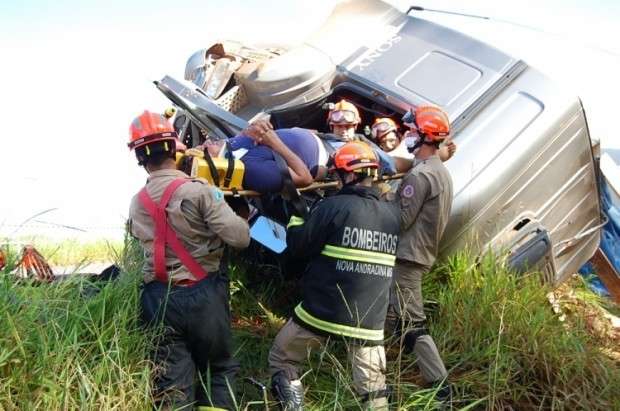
(194, 343)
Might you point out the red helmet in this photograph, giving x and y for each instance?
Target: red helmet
(148, 128)
(343, 112)
(430, 122)
(355, 156)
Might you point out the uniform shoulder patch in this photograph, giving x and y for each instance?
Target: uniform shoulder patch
(218, 194)
(408, 191)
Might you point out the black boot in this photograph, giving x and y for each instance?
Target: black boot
(443, 394)
(410, 332)
(290, 394)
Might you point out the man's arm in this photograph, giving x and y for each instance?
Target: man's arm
(387, 163)
(307, 238)
(404, 164)
(231, 228)
(262, 132)
(412, 194)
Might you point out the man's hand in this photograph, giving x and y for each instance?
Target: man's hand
(214, 147)
(261, 131)
(447, 150)
(180, 147)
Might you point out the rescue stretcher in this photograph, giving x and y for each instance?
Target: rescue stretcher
(318, 185)
(200, 168)
(270, 211)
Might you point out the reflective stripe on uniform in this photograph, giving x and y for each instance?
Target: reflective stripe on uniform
(295, 221)
(359, 255)
(338, 329)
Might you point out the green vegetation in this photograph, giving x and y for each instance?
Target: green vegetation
(73, 252)
(72, 344)
(75, 344)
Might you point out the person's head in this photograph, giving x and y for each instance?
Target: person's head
(153, 139)
(355, 163)
(429, 127)
(385, 132)
(343, 119)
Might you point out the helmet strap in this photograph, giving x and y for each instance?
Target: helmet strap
(359, 177)
(417, 145)
(427, 142)
(141, 160)
(432, 143)
(343, 176)
(164, 147)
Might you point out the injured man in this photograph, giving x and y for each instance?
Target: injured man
(305, 153)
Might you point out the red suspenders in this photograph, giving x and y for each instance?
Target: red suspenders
(164, 234)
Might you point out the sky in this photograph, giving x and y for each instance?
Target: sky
(76, 73)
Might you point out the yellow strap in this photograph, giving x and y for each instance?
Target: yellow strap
(338, 329)
(359, 255)
(295, 221)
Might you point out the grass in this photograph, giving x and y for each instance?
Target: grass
(71, 344)
(502, 343)
(75, 344)
(71, 252)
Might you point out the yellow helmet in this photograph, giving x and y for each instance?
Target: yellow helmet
(382, 126)
(343, 112)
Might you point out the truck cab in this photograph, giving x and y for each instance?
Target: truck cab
(524, 175)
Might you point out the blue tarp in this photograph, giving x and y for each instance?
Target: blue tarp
(610, 237)
(594, 283)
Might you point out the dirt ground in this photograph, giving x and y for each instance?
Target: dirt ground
(572, 304)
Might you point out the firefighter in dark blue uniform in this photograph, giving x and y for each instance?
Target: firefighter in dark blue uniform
(351, 241)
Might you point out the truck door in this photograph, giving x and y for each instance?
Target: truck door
(201, 110)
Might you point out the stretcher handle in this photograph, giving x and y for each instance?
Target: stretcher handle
(314, 186)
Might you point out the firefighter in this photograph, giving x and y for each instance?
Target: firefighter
(183, 225)
(343, 120)
(385, 133)
(350, 240)
(425, 196)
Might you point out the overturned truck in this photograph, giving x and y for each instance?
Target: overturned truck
(524, 175)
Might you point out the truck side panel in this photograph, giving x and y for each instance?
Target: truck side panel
(527, 153)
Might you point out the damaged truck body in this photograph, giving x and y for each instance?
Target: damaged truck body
(524, 175)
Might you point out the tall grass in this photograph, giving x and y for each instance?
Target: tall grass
(76, 344)
(72, 344)
(72, 251)
(503, 343)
